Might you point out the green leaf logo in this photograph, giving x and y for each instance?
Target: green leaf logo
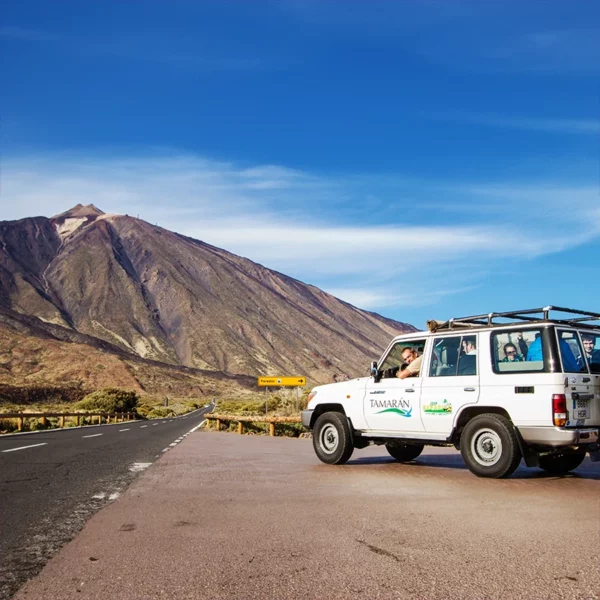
(397, 411)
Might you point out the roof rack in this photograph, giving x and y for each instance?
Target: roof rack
(531, 315)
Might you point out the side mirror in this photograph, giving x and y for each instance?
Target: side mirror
(375, 372)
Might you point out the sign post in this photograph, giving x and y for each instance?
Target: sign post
(268, 382)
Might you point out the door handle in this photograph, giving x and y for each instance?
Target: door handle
(409, 390)
(469, 389)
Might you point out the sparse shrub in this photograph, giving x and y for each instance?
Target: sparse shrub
(160, 412)
(8, 425)
(37, 425)
(109, 400)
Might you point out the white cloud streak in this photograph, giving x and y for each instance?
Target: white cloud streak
(570, 126)
(282, 218)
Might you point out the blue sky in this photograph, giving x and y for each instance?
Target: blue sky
(421, 159)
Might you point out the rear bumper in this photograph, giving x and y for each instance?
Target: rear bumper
(306, 416)
(557, 436)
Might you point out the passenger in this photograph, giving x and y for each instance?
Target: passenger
(469, 345)
(511, 354)
(467, 364)
(522, 344)
(570, 364)
(589, 341)
(535, 351)
(413, 363)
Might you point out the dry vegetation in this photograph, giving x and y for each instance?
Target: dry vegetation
(283, 403)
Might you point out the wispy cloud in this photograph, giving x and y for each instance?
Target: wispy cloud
(469, 36)
(554, 125)
(281, 217)
(183, 54)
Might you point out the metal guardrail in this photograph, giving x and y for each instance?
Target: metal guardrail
(107, 417)
(240, 420)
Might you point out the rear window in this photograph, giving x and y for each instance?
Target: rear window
(571, 352)
(519, 351)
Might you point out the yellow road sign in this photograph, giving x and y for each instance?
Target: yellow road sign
(281, 381)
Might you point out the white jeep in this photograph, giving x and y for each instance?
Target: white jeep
(499, 387)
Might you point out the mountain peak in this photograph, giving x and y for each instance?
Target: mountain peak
(79, 211)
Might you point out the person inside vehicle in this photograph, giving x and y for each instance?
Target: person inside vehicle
(469, 346)
(413, 363)
(511, 354)
(522, 345)
(589, 341)
(467, 364)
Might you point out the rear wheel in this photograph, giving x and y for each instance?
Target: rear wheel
(559, 464)
(489, 446)
(404, 452)
(332, 439)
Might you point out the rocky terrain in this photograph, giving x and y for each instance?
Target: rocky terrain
(119, 287)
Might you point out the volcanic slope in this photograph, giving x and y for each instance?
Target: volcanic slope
(170, 298)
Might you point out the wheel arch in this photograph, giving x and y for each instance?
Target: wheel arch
(326, 407)
(469, 413)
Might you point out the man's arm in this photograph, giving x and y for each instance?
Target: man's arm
(411, 370)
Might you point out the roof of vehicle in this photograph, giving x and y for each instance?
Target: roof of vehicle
(531, 316)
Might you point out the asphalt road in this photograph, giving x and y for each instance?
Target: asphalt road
(227, 516)
(51, 482)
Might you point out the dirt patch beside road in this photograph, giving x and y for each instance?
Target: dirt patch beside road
(226, 516)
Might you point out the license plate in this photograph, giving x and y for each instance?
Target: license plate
(583, 407)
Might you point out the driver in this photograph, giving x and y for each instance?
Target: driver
(413, 363)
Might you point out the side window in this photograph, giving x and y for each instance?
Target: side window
(454, 356)
(395, 359)
(518, 351)
(571, 353)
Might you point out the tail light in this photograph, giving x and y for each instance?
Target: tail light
(559, 410)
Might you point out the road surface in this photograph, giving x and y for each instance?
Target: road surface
(51, 482)
(230, 516)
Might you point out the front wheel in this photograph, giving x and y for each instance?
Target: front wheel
(332, 439)
(489, 446)
(404, 452)
(559, 464)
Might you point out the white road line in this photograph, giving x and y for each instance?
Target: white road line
(114, 496)
(154, 424)
(99, 496)
(95, 435)
(123, 429)
(166, 449)
(197, 426)
(142, 427)
(23, 447)
(137, 467)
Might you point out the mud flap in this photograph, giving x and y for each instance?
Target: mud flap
(530, 456)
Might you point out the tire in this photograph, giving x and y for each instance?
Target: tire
(489, 446)
(405, 452)
(559, 464)
(332, 439)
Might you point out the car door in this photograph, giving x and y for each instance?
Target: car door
(392, 404)
(451, 381)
